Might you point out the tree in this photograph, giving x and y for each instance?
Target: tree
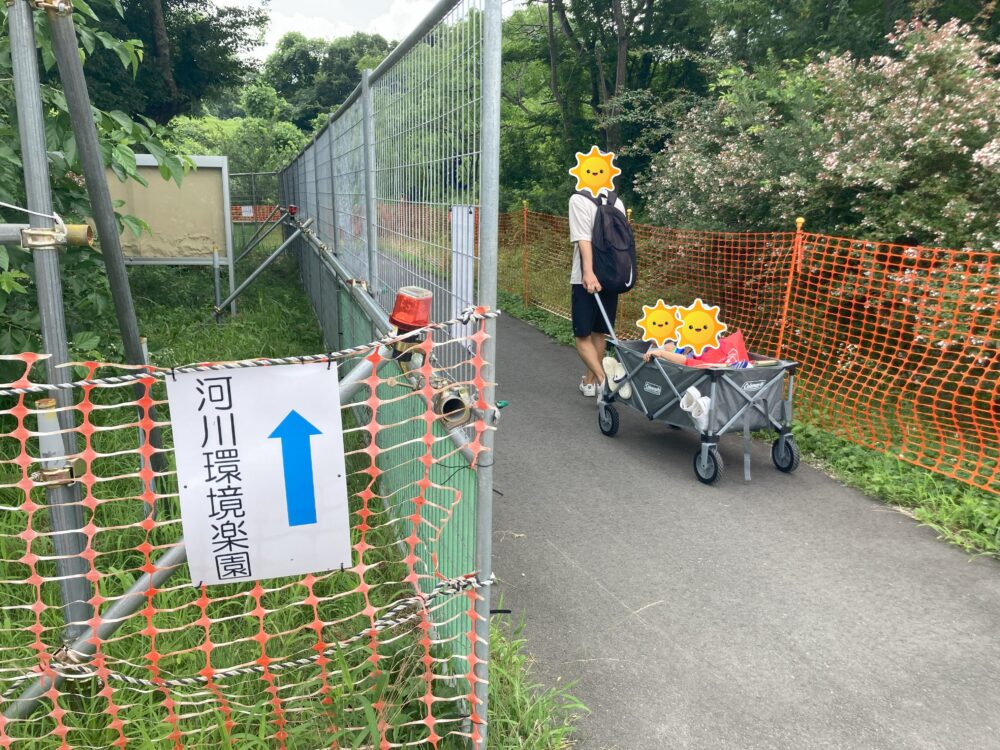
(198, 51)
(315, 75)
(252, 144)
(622, 45)
(903, 147)
(85, 289)
(580, 73)
(262, 101)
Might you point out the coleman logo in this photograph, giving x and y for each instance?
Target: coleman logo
(752, 386)
(652, 388)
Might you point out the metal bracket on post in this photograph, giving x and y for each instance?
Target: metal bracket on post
(54, 238)
(69, 474)
(60, 7)
(368, 128)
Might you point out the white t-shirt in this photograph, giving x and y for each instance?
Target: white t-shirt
(582, 211)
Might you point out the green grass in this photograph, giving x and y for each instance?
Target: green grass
(962, 514)
(523, 714)
(554, 326)
(174, 306)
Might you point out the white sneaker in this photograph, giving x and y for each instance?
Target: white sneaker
(588, 389)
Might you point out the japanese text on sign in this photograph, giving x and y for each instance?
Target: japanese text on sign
(247, 442)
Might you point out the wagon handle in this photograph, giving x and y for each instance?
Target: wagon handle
(607, 321)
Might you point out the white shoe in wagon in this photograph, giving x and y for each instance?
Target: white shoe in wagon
(616, 373)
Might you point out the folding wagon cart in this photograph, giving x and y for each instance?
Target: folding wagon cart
(739, 400)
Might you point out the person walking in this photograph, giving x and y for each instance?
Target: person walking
(595, 173)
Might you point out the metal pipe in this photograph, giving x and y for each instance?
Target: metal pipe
(260, 269)
(10, 234)
(65, 511)
(217, 278)
(67, 53)
(368, 305)
(77, 235)
(371, 220)
(489, 201)
(380, 320)
(85, 645)
(230, 253)
(255, 240)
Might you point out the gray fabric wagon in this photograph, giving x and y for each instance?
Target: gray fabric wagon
(738, 400)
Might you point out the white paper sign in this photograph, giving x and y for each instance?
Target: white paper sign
(260, 464)
(247, 212)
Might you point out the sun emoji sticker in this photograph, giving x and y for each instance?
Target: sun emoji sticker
(595, 171)
(659, 323)
(700, 327)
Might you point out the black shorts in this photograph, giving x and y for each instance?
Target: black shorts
(587, 318)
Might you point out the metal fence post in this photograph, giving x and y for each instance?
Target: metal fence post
(335, 239)
(489, 186)
(793, 269)
(65, 512)
(67, 52)
(368, 128)
(524, 252)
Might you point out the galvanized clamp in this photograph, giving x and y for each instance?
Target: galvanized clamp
(52, 238)
(62, 7)
(68, 474)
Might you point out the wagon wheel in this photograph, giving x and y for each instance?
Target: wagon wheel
(607, 420)
(786, 457)
(712, 471)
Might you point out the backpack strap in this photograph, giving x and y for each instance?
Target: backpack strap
(612, 197)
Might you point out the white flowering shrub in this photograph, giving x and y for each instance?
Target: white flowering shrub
(901, 148)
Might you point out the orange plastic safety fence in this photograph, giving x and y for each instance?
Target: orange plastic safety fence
(253, 214)
(899, 346)
(368, 656)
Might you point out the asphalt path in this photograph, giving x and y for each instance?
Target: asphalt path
(788, 612)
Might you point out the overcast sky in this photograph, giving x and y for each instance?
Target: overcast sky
(327, 19)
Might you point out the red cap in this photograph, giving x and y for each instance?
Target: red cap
(412, 309)
(292, 210)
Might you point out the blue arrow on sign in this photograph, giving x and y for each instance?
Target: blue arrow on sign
(296, 458)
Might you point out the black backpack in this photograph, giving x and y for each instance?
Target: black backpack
(614, 245)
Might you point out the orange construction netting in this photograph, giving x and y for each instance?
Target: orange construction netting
(899, 346)
(382, 654)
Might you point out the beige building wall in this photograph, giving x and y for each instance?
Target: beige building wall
(186, 221)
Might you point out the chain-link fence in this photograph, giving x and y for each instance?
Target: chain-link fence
(402, 190)
(107, 642)
(253, 198)
(395, 182)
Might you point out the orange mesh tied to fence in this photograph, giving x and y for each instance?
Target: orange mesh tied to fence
(380, 654)
(253, 214)
(899, 346)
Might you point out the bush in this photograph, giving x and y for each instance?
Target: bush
(903, 147)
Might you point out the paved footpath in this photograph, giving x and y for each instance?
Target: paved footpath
(790, 612)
